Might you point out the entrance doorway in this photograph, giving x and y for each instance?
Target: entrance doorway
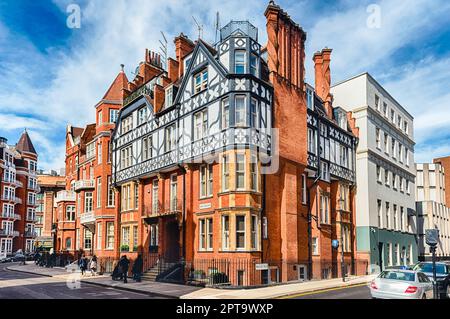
(381, 255)
(302, 272)
(172, 241)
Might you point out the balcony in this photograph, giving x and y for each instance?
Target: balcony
(13, 182)
(84, 185)
(10, 216)
(9, 233)
(31, 218)
(87, 218)
(30, 234)
(35, 188)
(65, 196)
(13, 199)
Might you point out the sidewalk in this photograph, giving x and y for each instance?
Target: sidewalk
(278, 291)
(156, 289)
(166, 290)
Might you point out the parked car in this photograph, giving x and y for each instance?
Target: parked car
(401, 284)
(442, 275)
(5, 260)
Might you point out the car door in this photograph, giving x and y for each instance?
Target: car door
(427, 285)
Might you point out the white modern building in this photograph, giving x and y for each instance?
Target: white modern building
(432, 213)
(386, 222)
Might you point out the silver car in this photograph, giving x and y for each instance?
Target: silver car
(401, 284)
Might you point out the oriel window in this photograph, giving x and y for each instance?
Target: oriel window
(239, 61)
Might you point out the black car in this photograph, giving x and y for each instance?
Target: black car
(442, 275)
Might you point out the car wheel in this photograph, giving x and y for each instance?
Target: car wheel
(448, 291)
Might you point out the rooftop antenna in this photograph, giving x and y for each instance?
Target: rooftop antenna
(163, 50)
(200, 28)
(217, 25)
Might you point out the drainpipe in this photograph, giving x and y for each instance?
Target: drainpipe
(184, 212)
(310, 217)
(263, 214)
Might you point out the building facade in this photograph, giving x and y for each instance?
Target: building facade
(385, 202)
(230, 162)
(432, 211)
(86, 210)
(49, 185)
(18, 189)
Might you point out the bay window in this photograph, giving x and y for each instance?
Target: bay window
(240, 232)
(240, 101)
(239, 61)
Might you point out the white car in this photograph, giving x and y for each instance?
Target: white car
(401, 284)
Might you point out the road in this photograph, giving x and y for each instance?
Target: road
(16, 285)
(354, 292)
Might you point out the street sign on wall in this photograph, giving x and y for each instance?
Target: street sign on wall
(262, 266)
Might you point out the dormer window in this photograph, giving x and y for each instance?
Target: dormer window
(127, 124)
(142, 115)
(169, 94)
(201, 81)
(239, 62)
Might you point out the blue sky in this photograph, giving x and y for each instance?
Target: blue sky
(51, 75)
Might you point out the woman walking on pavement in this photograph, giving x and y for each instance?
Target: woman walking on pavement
(93, 265)
(83, 265)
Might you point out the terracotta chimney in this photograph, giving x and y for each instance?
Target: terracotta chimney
(322, 72)
(183, 46)
(172, 69)
(158, 98)
(285, 46)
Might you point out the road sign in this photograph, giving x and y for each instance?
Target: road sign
(262, 266)
(432, 237)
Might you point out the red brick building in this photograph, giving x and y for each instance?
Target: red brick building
(230, 168)
(86, 212)
(18, 189)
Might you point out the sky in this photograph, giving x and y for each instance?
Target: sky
(52, 75)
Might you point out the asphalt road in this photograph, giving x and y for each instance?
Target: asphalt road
(355, 292)
(16, 285)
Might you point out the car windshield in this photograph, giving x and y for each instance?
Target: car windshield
(428, 267)
(398, 275)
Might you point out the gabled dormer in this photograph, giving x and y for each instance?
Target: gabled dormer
(238, 49)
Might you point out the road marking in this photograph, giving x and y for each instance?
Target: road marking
(321, 291)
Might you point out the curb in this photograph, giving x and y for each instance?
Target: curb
(28, 272)
(286, 296)
(151, 294)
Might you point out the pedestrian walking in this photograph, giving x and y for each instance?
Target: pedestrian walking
(93, 265)
(138, 268)
(117, 272)
(83, 264)
(124, 264)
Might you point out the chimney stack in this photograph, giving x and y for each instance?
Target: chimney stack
(183, 46)
(286, 46)
(322, 72)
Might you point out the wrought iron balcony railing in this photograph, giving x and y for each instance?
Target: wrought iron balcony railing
(9, 233)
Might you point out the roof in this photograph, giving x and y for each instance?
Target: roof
(115, 90)
(25, 144)
(77, 131)
(50, 180)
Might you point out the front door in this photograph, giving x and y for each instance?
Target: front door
(172, 242)
(381, 255)
(302, 272)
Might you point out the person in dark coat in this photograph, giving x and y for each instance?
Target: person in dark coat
(138, 268)
(124, 264)
(82, 263)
